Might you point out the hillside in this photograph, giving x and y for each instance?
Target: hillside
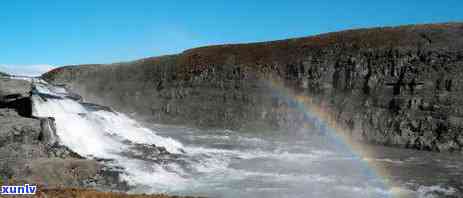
(398, 86)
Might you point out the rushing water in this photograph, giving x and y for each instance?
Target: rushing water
(224, 163)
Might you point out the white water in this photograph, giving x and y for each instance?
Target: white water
(210, 163)
(101, 134)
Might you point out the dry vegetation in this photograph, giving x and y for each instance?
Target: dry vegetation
(83, 193)
(266, 52)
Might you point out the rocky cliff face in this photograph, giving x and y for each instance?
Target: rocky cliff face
(397, 86)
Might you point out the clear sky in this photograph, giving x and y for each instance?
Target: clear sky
(38, 34)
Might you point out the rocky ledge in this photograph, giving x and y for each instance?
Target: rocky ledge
(396, 86)
(30, 154)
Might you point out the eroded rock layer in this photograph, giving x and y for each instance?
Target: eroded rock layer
(393, 86)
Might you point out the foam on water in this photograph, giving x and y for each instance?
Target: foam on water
(435, 191)
(77, 126)
(107, 135)
(120, 125)
(102, 134)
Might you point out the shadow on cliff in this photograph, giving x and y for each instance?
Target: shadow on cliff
(22, 105)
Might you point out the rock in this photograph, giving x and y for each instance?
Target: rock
(48, 131)
(15, 155)
(15, 94)
(23, 141)
(30, 151)
(59, 151)
(12, 89)
(55, 172)
(95, 107)
(15, 128)
(147, 152)
(381, 75)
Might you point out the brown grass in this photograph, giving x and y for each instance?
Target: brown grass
(86, 193)
(285, 51)
(255, 55)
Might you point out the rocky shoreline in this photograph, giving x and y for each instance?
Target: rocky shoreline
(395, 86)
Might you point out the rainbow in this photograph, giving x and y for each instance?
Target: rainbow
(322, 115)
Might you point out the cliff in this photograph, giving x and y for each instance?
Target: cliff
(399, 86)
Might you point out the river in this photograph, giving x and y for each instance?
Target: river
(226, 163)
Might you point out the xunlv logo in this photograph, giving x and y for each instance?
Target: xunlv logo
(18, 190)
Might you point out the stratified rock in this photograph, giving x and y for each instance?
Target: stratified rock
(398, 86)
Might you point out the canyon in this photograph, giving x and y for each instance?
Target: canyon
(244, 120)
(396, 86)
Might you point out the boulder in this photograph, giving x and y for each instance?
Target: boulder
(12, 89)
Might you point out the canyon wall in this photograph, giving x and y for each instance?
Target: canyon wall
(398, 86)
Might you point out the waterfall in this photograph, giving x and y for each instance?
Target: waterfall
(213, 163)
(101, 134)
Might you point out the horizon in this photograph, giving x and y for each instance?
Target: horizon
(43, 35)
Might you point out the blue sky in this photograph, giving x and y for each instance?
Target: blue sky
(37, 35)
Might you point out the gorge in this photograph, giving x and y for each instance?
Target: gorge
(396, 86)
(370, 113)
